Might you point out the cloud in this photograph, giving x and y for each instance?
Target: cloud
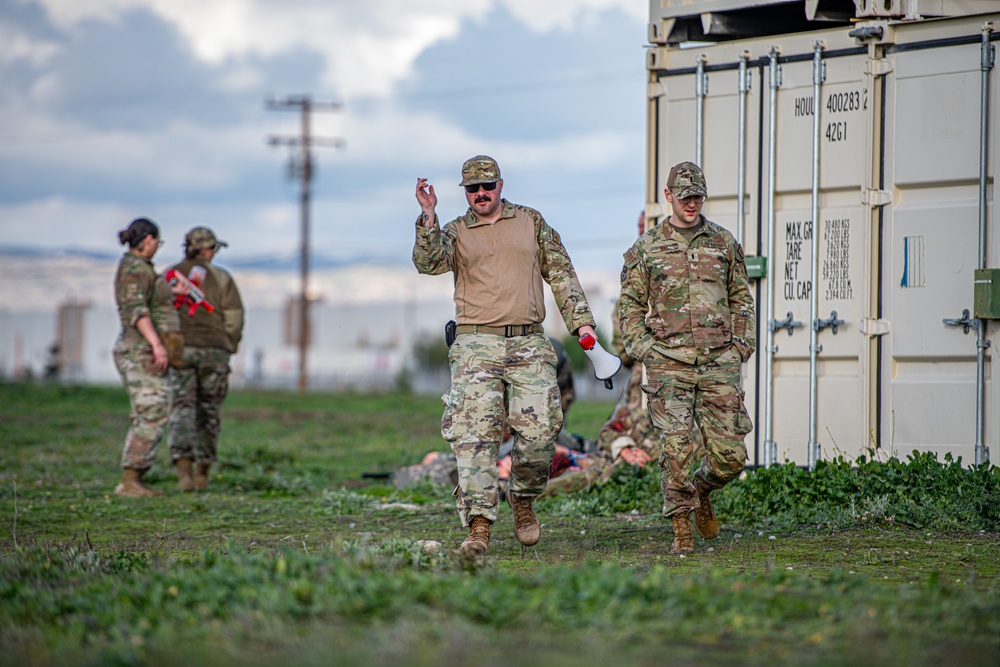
(116, 108)
(368, 46)
(571, 14)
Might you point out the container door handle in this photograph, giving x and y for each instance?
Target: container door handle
(966, 322)
(787, 323)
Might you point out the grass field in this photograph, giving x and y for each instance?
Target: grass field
(293, 556)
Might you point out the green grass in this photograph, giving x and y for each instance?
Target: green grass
(293, 555)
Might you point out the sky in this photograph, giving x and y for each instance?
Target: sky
(112, 109)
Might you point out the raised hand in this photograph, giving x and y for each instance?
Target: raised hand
(427, 200)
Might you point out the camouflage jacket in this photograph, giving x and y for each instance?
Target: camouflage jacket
(139, 293)
(617, 347)
(687, 301)
(223, 327)
(500, 283)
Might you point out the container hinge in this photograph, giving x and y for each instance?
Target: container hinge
(879, 66)
(656, 89)
(874, 197)
(873, 326)
(871, 31)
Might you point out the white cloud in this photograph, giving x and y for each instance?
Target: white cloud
(570, 14)
(182, 173)
(15, 46)
(178, 157)
(368, 45)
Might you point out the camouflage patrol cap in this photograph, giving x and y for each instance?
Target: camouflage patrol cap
(202, 237)
(480, 169)
(687, 180)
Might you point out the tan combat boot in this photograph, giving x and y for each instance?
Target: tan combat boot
(201, 476)
(132, 487)
(479, 537)
(683, 539)
(526, 527)
(704, 517)
(185, 482)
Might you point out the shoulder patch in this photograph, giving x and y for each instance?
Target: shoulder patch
(133, 277)
(631, 257)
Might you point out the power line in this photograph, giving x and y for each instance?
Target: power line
(508, 88)
(19, 140)
(302, 167)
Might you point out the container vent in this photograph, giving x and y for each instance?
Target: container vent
(914, 262)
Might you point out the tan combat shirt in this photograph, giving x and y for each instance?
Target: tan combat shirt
(499, 268)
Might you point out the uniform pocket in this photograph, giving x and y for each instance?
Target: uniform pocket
(555, 410)
(652, 386)
(743, 422)
(146, 362)
(174, 342)
(731, 358)
(450, 419)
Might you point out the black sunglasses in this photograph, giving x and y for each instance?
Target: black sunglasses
(485, 186)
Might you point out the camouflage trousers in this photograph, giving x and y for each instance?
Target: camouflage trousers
(149, 397)
(493, 380)
(684, 397)
(630, 419)
(199, 389)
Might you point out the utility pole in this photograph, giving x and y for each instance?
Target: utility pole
(301, 165)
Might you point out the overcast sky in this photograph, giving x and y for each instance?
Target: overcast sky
(110, 109)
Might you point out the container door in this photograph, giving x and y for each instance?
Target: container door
(932, 160)
(673, 112)
(840, 230)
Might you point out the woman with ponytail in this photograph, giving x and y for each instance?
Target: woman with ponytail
(144, 350)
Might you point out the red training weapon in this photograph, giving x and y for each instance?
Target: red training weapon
(194, 298)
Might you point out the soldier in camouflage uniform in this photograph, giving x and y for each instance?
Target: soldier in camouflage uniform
(629, 430)
(501, 362)
(149, 343)
(687, 314)
(202, 382)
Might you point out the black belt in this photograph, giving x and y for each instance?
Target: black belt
(508, 331)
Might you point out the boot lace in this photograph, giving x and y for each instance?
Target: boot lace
(523, 516)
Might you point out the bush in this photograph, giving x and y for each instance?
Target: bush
(921, 492)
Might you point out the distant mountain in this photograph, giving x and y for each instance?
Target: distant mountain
(28, 252)
(38, 280)
(272, 262)
(316, 261)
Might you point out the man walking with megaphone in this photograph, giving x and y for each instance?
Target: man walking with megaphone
(687, 314)
(501, 254)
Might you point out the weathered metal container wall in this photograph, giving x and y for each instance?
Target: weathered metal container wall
(877, 136)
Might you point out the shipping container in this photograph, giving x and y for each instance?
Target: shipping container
(851, 148)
